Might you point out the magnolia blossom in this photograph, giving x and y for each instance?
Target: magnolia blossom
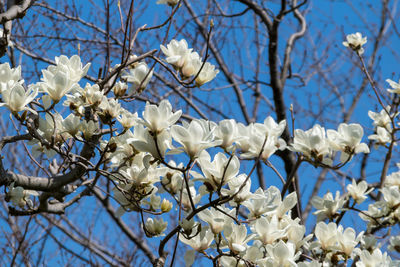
(327, 207)
(155, 227)
(16, 98)
(382, 136)
(394, 243)
(262, 202)
(395, 87)
(268, 230)
(119, 88)
(9, 76)
(139, 76)
(313, 144)
(281, 254)
(347, 140)
(216, 219)
(176, 52)
(158, 118)
(236, 237)
(59, 79)
(207, 73)
(326, 235)
(376, 258)
(20, 197)
(71, 124)
(393, 179)
(227, 131)
(359, 191)
(382, 119)
(201, 241)
(194, 137)
(217, 172)
(355, 41)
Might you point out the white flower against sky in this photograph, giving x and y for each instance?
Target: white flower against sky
(139, 76)
(201, 241)
(127, 119)
(355, 41)
(176, 52)
(268, 230)
(261, 202)
(20, 197)
(9, 76)
(395, 87)
(235, 185)
(236, 237)
(227, 131)
(393, 179)
(358, 191)
(17, 98)
(281, 254)
(381, 137)
(155, 227)
(194, 137)
(158, 118)
(347, 140)
(217, 172)
(327, 235)
(374, 259)
(207, 73)
(216, 219)
(328, 207)
(348, 240)
(381, 119)
(313, 144)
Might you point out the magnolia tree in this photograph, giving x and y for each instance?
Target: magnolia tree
(174, 179)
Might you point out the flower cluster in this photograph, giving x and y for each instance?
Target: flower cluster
(188, 63)
(318, 146)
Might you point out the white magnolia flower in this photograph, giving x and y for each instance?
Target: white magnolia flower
(327, 235)
(358, 191)
(259, 135)
(158, 118)
(194, 136)
(313, 144)
(9, 76)
(176, 52)
(16, 98)
(381, 137)
(144, 141)
(281, 254)
(262, 202)
(374, 259)
(239, 183)
(216, 219)
(355, 41)
(217, 172)
(236, 237)
(127, 119)
(89, 128)
(327, 207)
(348, 240)
(382, 118)
(192, 65)
(207, 73)
(119, 88)
(20, 197)
(92, 94)
(60, 79)
(201, 241)
(139, 76)
(395, 87)
(71, 124)
(168, 2)
(347, 140)
(227, 131)
(109, 109)
(394, 243)
(268, 230)
(155, 227)
(393, 179)
(391, 196)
